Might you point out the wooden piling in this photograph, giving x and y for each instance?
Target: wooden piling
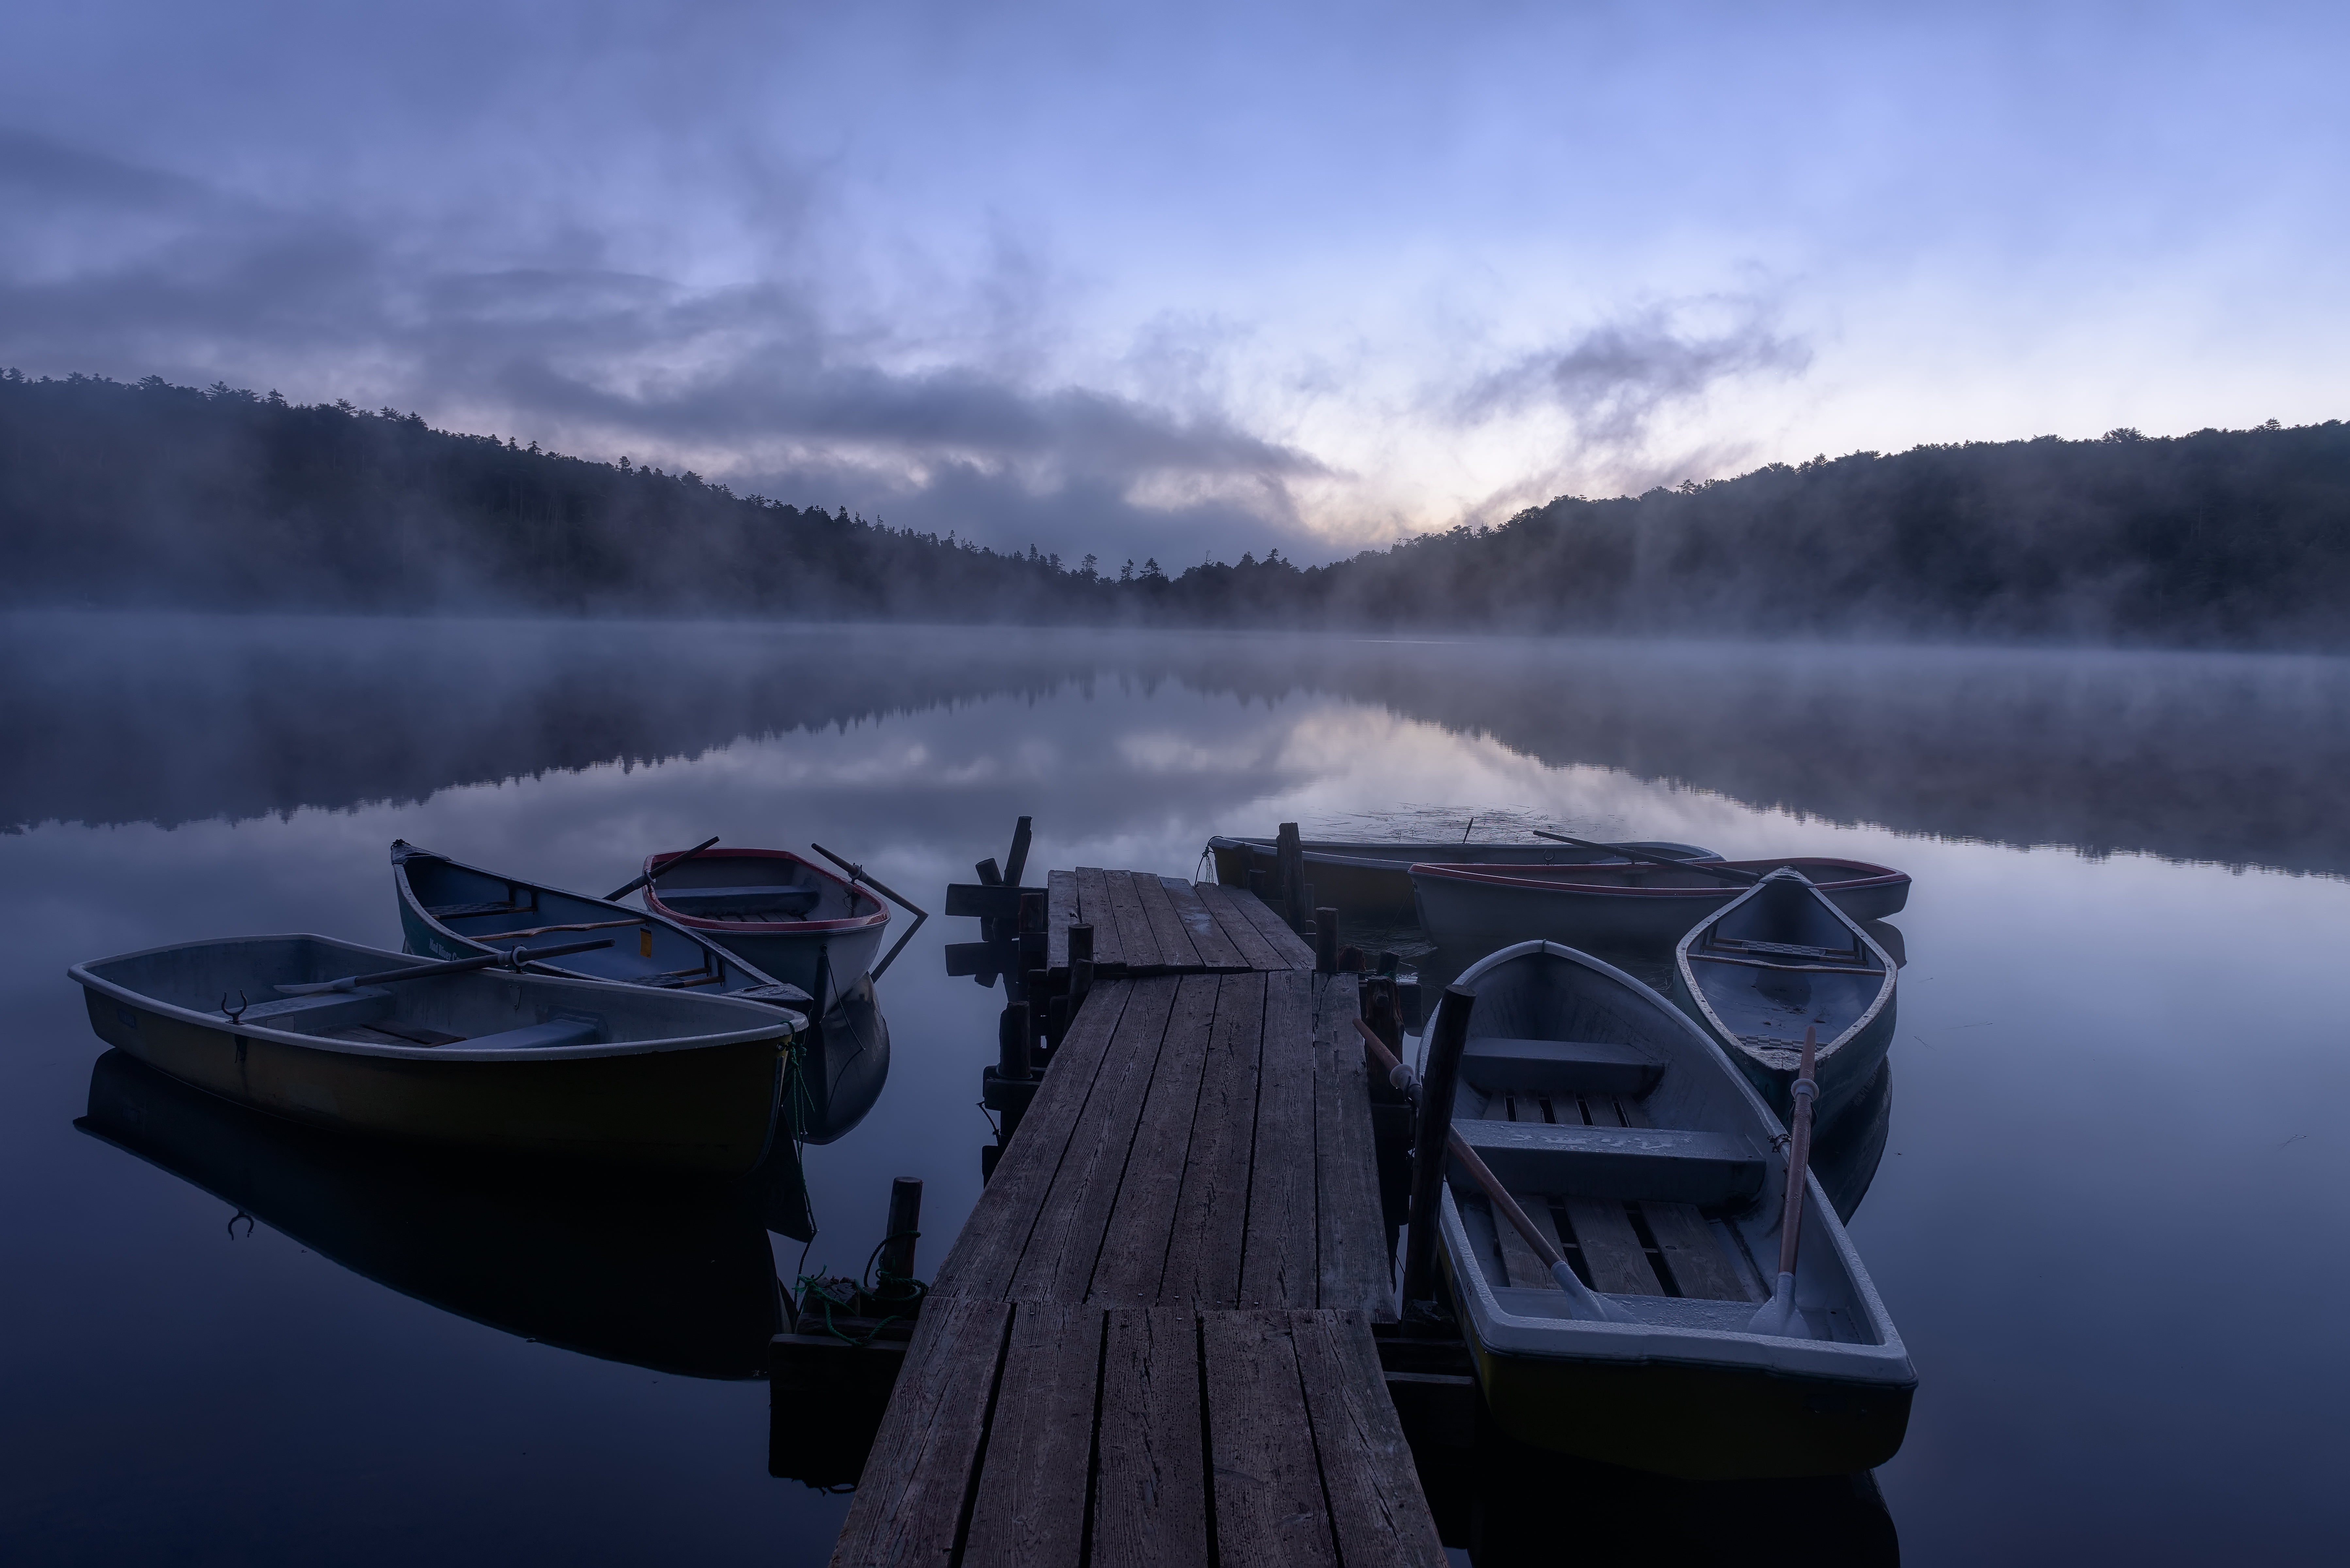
(1289, 871)
(1012, 1038)
(1446, 1039)
(1081, 964)
(905, 1225)
(1326, 941)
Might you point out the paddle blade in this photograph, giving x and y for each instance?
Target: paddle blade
(1582, 1302)
(1778, 1317)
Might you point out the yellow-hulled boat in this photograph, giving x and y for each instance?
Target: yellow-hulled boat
(487, 1058)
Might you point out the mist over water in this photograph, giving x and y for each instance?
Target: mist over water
(2112, 1139)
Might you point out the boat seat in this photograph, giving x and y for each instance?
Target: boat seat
(463, 911)
(790, 900)
(534, 1036)
(1495, 1066)
(1706, 1168)
(317, 1015)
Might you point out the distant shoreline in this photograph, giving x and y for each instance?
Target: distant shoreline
(116, 496)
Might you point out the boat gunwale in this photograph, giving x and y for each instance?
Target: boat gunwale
(880, 916)
(84, 975)
(1713, 1020)
(1879, 876)
(1501, 1331)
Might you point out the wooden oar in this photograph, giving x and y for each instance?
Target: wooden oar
(1712, 868)
(625, 889)
(859, 874)
(1583, 1302)
(1778, 1315)
(516, 957)
(542, 930)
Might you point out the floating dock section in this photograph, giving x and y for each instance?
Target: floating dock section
(1153, 1340)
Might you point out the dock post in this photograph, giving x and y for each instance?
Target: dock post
(1445, 1040)
(1012, 1037)
(905, 1225)
(1039, 987)
(1326, 941)
(1015, 864)
(1260, 886)
(1014, 1064)
(1081, 964)
(1289, 871)
(1034, 936)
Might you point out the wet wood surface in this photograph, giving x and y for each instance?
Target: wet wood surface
(1152, 1340)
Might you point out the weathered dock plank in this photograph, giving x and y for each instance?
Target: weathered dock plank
(1237, 928)
(1134, 934)
(1216, 950)
(1150, 1496)
(1167, 928)
(1092, 908)
(1030, 1503)
(1281, 1266)
(1352, 1259)
(1376, 1508)
(1134, 1255)
(1073, 1221)
(1209, 1220)
(910, 1499)
(989, 1249)
(1287, 945)
(1268, 1487)
(1152, 1340)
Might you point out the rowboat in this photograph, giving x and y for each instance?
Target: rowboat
(1652, 1165)
(498, 1060)
(1781, 957)
(773, 910)
(841, 1060)
(452, 910)
(1372, 882)
(1621, 907)
(676, 1276)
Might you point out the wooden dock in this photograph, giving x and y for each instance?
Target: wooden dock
(1153, 1340)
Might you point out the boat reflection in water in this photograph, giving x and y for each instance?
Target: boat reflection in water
(676, 1276)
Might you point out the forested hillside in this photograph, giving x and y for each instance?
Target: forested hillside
(226, 499)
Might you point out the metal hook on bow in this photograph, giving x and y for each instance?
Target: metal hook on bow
(236, 1014)
(233, 1218)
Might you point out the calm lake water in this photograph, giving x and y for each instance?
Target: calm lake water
(2108, 1220)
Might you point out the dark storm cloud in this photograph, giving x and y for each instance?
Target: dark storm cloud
(1614, 379)
(122, 270)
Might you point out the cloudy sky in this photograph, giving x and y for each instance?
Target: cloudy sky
(1191, 279)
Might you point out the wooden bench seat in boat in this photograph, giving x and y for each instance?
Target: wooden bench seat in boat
(1496, 1064)
(320, 1015)
(763, 900)
(1706, 1168)
(1640, 1246)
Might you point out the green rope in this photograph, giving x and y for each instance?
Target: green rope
(876, 1284)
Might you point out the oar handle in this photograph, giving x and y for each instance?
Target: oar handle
(625, 889)
(1799, 1154)
(1726, 873)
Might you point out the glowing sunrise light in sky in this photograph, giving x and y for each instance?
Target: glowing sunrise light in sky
(1190, 280)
